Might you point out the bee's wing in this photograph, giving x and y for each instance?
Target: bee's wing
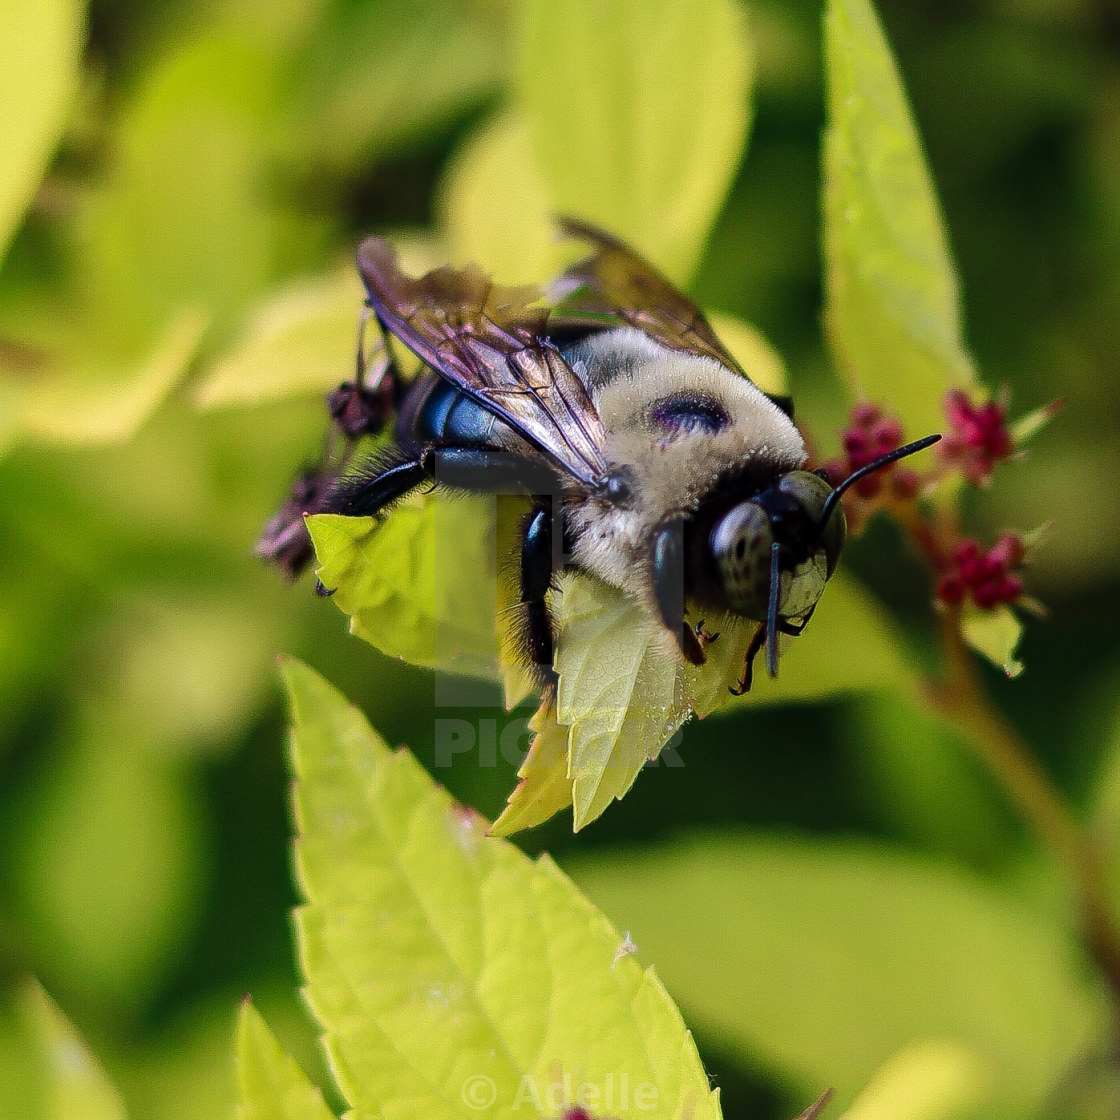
(616, 286)
(490, 342)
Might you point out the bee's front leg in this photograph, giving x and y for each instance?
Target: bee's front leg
(756, 643)
(793, 629)
(667, 570)
(536, 581)
(704, 637)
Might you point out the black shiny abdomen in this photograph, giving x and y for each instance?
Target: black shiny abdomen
(434, 411)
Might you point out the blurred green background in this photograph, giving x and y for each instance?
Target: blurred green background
(210, 153)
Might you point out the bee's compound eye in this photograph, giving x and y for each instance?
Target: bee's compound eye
(741, 543)
(811, 491)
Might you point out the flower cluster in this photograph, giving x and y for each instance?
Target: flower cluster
(988, 578)
(978, 436)
(870, 434)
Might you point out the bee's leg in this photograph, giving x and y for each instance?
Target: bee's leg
(367, 496)
(363, 406)
(489, 472)
(536, 580)
(756, 644)
(704, 637)
(668, 587)
(459, 468)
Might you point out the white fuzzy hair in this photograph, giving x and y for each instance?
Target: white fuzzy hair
(628, 375)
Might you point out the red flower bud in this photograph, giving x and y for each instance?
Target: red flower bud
(978, 436)
(988, 578)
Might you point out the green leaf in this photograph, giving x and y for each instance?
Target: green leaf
(495, 208)
(639, 114)
(110, 404)
(930, 1080)
(617, 692)
(1106, 792)
(273, 1087)
(453, 975)
(378, 76)
(163, 231)
(624, 691)
(912, 761)
(544, 786)
(40, 52)
(892, 299)
(76, 1085)
(821, 959)
(994, 634)
(184, 1071)
(106, 866)
(1104, 816)
(301, 340)
(623, 688)
(419, 585)
(193, 668)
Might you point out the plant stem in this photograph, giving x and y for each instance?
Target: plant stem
(961, 696)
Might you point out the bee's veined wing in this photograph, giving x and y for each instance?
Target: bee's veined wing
(616, 285)
(490, 341)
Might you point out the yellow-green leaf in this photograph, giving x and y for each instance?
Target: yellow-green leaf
(273, 1087)
(419, 585)
(40, 51)
(638, 112)
(618, 692)
(454, 976)
(494, 207)
(109, 405)
(892, 298)
(76, 1085)
(182, 217)
(624, 690)
(106, 869)
(994, 634)
(909, 760)
(377, 76)
(936, 1079)
(301, 340)
(543, 787)
(820, 959)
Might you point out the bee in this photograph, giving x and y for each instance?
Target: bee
(651, 460)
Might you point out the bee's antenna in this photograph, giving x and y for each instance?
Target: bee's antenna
(833, 499)
(772, 610)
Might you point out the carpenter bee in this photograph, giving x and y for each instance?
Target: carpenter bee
(651, 459)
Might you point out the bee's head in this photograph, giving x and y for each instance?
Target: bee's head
(774, 552)
(790, 514)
